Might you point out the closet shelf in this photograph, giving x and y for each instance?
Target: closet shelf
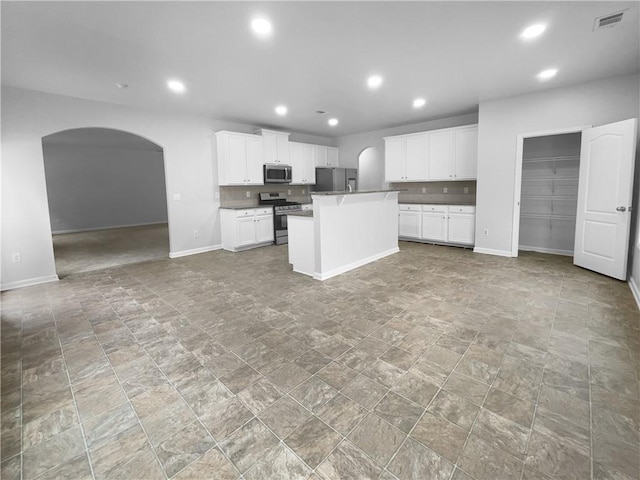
(573, 158)
(548, 216)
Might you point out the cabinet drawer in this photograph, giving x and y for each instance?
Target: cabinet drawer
(434, 208)
(263, 211)
(245, 213)
(462, 209)
(409, 208)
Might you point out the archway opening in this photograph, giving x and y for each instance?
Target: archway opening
(107, 199)
(370, 169)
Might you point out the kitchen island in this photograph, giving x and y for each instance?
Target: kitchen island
(344, 231)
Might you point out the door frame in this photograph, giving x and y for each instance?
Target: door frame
(517, 187)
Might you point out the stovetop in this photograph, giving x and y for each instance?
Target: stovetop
(279, 201)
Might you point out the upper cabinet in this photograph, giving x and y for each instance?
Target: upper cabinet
(448, 154)
(406, 158)
(239, 158)
(275, 146)
(302, 163)
(325, 156)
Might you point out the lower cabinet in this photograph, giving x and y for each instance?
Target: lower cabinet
(246, 228)
(453, 224)
(409, 221)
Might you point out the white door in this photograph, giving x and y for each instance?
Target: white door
(462, 227)
(264, 228)
(394, 160)
(441, 156)
(466, 154)
(246, 231)
(332, 157)
(254, 160)
(309, 167)
(603, 218)
(434, 226)
(409, 224)
(236, 162)
(416, 151)
(320, 153)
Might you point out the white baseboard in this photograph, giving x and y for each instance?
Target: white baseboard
(194, 251)
(354, 265)
(491, 251)
(28, 283)
(552, 251)
(635, 290)
(94, 229)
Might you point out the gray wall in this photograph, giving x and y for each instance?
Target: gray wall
(97, 187)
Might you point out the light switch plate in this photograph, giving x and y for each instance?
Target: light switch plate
(445, 190)
(217, 194)
(177, 197)
(248, 194)
(424, 189)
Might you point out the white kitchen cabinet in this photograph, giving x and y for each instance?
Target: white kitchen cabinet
(454, 224)
(246, 228)
(441, 155)
(409, 221)
(275, 147)
(325, 156)
(332, 157)
(406, 158)
(466, 153)
(462, 225)
(239, 158)
(302, 163)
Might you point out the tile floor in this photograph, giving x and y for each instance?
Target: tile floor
(434, 363)
(99, 249)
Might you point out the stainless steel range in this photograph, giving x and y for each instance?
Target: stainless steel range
(281, 207)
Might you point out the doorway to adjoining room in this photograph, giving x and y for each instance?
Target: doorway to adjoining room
(370, 170)
(107, 199)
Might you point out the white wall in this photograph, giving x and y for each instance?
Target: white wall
(190, 160)
(500, 122)
(370, 169)
(90, 187)
(352, 145)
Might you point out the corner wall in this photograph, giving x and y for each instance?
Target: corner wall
(500, 122)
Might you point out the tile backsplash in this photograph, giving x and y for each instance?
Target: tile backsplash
(237, 196)
(434, 192)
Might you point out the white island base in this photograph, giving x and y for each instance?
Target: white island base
(344, 231)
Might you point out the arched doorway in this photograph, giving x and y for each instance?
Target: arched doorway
(107, 199)
(370, 169)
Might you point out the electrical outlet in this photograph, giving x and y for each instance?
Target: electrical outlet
(303, 191)
(424, 189)
(486, 231)
(288, 192)
(445, 190)
(16, 258)
(248, 194)
(177, 197)
(217, 194)
(196, 234)
(466, 189)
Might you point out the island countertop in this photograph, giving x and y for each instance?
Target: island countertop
(354, 193)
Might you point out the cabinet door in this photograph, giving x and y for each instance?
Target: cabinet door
(416, 157)
(297, 163)
(282, 149)
(332, 157)
(320, 154)
(441, 156)
(264, 228)
(235, 159)
(270, 148)
(434, 226)
(409, 224)
(466, 154)
(462, 228)
(394, 160)
(254, 160)
(308, 164)
(246, 231)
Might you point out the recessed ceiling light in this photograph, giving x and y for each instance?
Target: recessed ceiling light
(261, 26)
(419, 103)
(122, 85)
(533, 31)
(374, 81)
(176, 86)
(333, 122)
(547, 74)
(281, 110)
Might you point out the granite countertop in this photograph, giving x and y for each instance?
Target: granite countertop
(242, 207)
(425, 202)
(355, 193)
(300, 213)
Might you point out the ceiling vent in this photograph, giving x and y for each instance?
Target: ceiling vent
(607, 21)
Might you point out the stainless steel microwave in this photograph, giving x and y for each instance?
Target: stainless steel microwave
(275, 173)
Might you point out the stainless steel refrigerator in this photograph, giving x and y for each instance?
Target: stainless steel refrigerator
(336, 180)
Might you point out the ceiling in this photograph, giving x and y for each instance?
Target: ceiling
(454, 54)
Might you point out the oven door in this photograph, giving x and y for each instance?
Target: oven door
(280, 227)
